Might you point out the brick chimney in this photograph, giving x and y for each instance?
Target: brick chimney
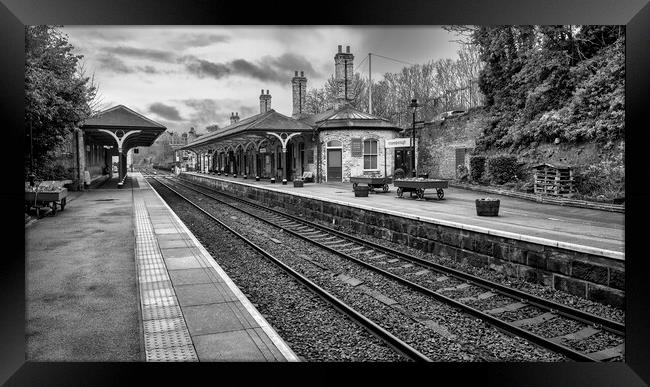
(234, 117)
(299, 87)
(343, 75)
(265, 102)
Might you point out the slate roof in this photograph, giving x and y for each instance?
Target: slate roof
(270, 121)
(120, 116)
(347, 117)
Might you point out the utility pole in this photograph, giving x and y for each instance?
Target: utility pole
(369, 84)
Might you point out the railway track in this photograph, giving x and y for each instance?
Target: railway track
(393, 341)
(392, 263)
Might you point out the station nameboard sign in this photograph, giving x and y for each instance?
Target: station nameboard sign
(356, 147)
(399, 143)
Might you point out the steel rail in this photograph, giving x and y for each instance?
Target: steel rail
(515, 330)
(387, 337)
(561, 309)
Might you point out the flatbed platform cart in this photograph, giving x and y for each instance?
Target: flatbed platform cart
(372, 182)
(418, 186)
(46, 196)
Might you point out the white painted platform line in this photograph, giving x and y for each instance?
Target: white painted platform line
(208, 259)
(166, 336)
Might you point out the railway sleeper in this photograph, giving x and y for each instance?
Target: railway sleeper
(377, 295)
(328, 239)
(332, 242)
(341, 246)
(311, 233)
(459, 287)
(508, 308)
(353, 249)
(535, 320)
(579, 335)
(608, 353)
(352, 281)
(418, 273)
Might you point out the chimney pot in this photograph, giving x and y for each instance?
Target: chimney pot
(340, 48)
(302, 73)
(347, 49)
(296, 73)
(262, 92)
(267, 92)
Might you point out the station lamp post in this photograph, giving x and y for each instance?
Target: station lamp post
(414, 105)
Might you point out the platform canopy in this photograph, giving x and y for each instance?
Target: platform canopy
(253, 131)
(123, 127)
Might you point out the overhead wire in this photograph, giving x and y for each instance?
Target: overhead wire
(393, 59)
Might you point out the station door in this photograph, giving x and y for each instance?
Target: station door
(334, 165)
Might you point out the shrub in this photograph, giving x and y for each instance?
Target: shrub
(607, 178)
(476, 167)
(54, 171)
(399, 173)
(502, 169)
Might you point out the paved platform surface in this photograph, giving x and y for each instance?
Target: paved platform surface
(117, 276)
(81, 299)
(586, 230)
(191, 309)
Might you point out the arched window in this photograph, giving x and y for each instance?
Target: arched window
(370, 154)
(334, 144)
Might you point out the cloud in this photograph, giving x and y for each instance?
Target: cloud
(261, 72)
(116, 65)
(198, 40)
(143, 53)
(165, 111)
(216, 111)
(207, 110)
(292, 62)
(273, 69)
(203, 68)
(111, 63)
(148, 69)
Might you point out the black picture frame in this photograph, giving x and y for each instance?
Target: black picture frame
(635, 14)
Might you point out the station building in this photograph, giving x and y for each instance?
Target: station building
(331, 146)
(104, 140)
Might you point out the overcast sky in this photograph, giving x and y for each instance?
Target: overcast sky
(196, 76)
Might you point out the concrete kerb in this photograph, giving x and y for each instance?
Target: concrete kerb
(271, 333)
(505, 234)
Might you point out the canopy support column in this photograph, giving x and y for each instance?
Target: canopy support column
(284, 139)
(120, 141)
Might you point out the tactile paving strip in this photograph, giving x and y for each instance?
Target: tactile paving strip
(166, 336)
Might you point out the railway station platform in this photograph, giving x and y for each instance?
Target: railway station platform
(581, 229)
(117, 276)
(576, 250)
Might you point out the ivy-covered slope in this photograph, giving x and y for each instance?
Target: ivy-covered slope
(556, 94)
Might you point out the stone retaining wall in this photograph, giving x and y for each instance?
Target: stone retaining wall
(597, 278)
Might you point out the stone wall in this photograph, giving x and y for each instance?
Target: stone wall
(441, 138)
(353, 166)
(594, 277)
